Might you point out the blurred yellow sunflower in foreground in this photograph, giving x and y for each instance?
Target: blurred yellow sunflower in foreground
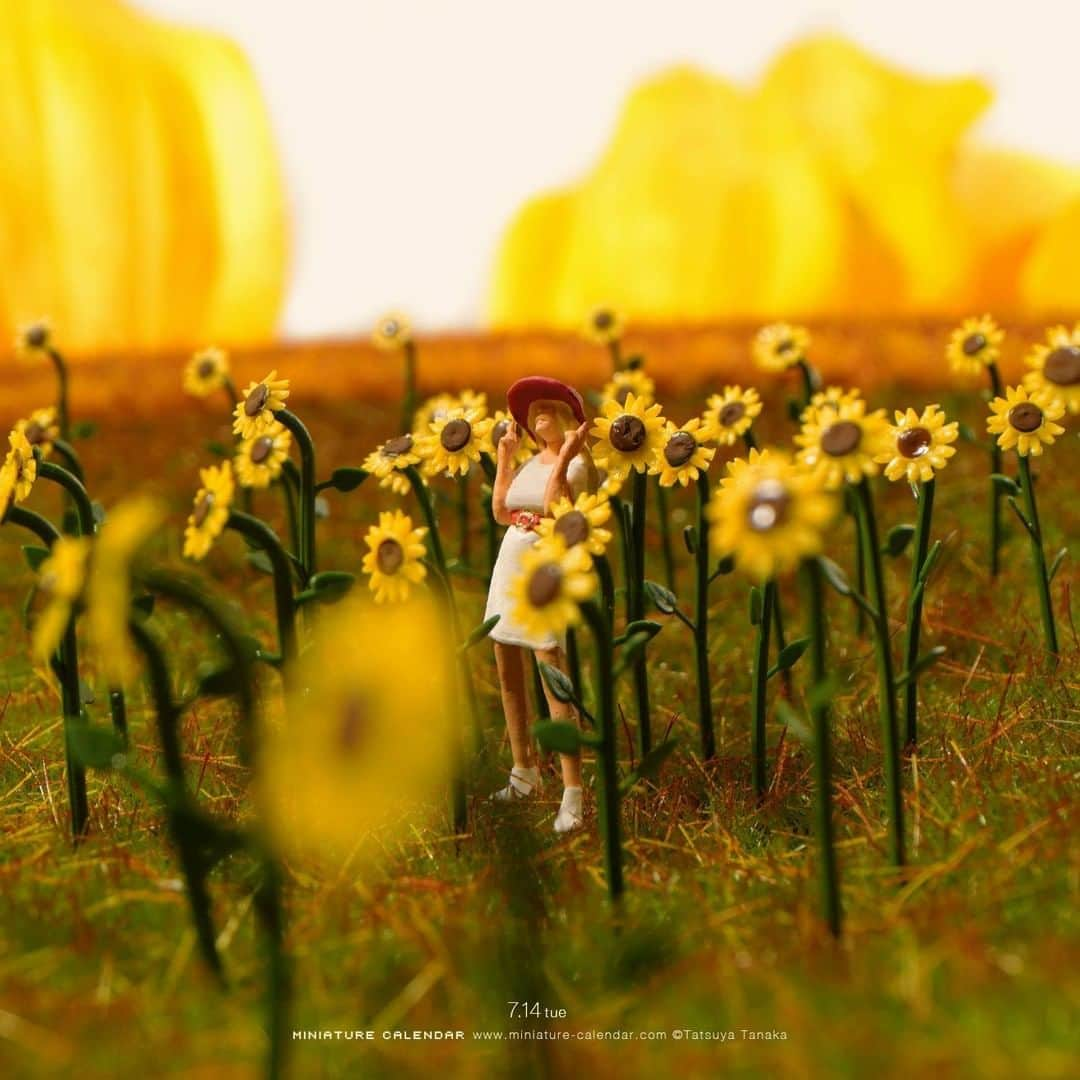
(630, 436)
(388, 461)
(40, 429)
(629, 381)
(60, 578)
(730, 414)
(455, 441)
(581, 521)
(769, 514)
(258, 461)
(603, 326)
(829, 401)
(254, 412)
(554, 579)
(843, 446)
(210, 510)
(1055, 366)
(392, 332)
(1025, 422)
(393, 560)
(683, 455)
(780, 346)
(974, 345)
(108, 588)
(363, 743)
(920, 445)
(18, 473)
(206, 372)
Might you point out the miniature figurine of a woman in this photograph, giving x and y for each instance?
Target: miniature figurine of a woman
(554, 415)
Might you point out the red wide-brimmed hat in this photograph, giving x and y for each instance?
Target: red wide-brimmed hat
(520, 397)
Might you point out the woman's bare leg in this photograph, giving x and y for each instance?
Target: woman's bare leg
(510, 661)
(560, 710)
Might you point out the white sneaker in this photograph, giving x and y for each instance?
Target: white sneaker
(523, 782)
(570, 815)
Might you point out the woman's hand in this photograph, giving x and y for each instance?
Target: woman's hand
(508, 444)
(573, 444)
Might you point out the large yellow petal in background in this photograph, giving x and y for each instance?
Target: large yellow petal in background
(1050, 283)
(130, 212)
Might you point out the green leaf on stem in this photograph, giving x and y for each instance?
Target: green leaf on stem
(1055, 566)
(650, 765)
(218, 449)
(933, 556)
(479, 633)
(689, 535)
(794, 410)
(897, 540)
(34, 556)
(789, 656)
(794, 721)
(1005, 484)
(967, 433)
(631, 649)
(261, 561)
(822, 693)
(96, 747)
(924, 661)
(756, 604)
(646, 626)
(331, 584)
(835, 576)
(98, 510)
(346, 478)
(558, 736)
(558, 682)
(83, 429)
(724, 566)
(664, 600)
(1011, 500)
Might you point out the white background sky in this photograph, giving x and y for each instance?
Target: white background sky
(412, 129)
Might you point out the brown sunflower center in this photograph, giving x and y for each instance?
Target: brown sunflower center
(397, 446)
(732, 413)
(1026, 417)
(255, 402)
(974, 344)
(841, 438)
(627, 433)
(785, 346)
(206, 368)
(36, 336)
(914, 442)
(1063, 365)
(455, 435)
(389, 556)
(35, 433)
(603, 320)
(391, 328)
(573, 527)
(354, 724)
(202, 508)
(260, 449)
(768, 506)
(544, 585)
(679, 449)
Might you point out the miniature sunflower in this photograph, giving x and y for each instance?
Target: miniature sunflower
(603, 326)
(580, 522)
(255, 410)
(829, 400)
(554, 579)
(456, 441)
(34, 340)
(629, 381)
(780, 346)
(845, 445)
(769, 514)
(919, 445)
(630, 435)
(974, 345)
(683, 455)
(18, 473)
(388, 460)
(500, 422)
(206, 371)
(60, 578)
(1025, 422)
(363, 743)
(210, 510)
(393, 561)
(258, 460)
(437, 407)
(41, 429)
(730, 414)
(392, 332)
(108, 587)
(1055, 366)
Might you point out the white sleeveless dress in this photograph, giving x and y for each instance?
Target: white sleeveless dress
(526, 492)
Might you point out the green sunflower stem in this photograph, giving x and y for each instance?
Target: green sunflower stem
(230, 389)
(637, 548)
(408, 398)
(178, 804)
(307, 488)
(701, 621)
(626, 531)
(914, 613)
(759, 692)
(260, 534)
(464, 520)
(573, 662)
(666, 547)
(886, 681)
(615, 351)
(63, 412)
(118, 712)
(72, 463)
(68, 673)
(269, 905)
(290, 491)
(607, 587)
(819, 716)
(996, 468)
(809, 381)
(608, 803)
(1038, 555)
(80, 499)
